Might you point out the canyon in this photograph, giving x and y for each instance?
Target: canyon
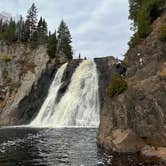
(133, 121)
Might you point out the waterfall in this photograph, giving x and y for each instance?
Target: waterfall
(80, 104)
(49, 103)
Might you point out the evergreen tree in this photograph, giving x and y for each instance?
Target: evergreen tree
(42, 30)
(34, 39)
(19, 28)
(10, 34)
(52, 45)
(64, 41)
(45, 30)
(24, 33)
(1, 29)
(4, 29)
(143, 13)
(133, 11)
(31, 21)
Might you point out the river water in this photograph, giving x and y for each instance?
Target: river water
(58, 147)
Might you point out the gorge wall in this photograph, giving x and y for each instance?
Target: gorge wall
(20, 69)
(132, 121)
(136, 119)
(25, 77)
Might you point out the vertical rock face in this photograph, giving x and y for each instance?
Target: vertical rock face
(31, 103)
(20, 69)
(67, 78)
(105, 69)
(25, 77)
(137, 118)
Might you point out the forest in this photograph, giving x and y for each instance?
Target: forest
(34, 31)
(143, 13)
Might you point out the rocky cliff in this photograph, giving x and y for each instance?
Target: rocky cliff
(20, 68)
(136, 119)
(25, 77)
(132, 121)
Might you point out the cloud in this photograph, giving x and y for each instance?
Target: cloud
(98, 27)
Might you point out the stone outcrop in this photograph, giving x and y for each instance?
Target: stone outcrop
(130, 122)
(137, 117)
(67, 77)
(31, 74)
(20, 68)
(31, 103)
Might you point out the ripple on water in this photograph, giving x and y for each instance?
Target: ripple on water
(61, 147)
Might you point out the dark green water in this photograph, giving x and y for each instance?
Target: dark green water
(58, 147)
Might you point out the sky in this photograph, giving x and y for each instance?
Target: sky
(98, 27)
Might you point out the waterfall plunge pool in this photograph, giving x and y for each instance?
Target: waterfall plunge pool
(58, 147)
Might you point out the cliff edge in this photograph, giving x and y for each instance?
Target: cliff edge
(136, 119)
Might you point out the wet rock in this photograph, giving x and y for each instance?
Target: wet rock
(140, 94)
(140, 112)
(19, 75)
(159, 152)
(126, 141)
(71, 67)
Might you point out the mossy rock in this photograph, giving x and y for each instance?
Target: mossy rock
(6, 57)
(117, 85)
(162, 74)
(162, 30)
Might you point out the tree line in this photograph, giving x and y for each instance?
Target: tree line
(36, 32)
(143, 13)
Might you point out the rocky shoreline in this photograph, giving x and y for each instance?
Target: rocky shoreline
(131, 122)
(135, 120)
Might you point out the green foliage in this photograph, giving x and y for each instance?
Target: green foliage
(64, 41)
(52, 45)
(144, 24)
(5, 74)
(27, 31)
(117, 85)
(42, 31)
(162, 30)
(36, 32)
(143, 13)
(31, 21)
(133, 11)
(60, 45)
(163, 73)
(124, 65)
(10, 34)
(135, 39)
(6, 57)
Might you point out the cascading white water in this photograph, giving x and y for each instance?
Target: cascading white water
(80, 104)
(49, 102)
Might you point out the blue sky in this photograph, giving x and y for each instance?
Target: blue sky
(98, 27)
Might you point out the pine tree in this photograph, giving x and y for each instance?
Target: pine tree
(31, 21)
(64, 41)
(4, 29)
(24, 33)
(1, 29)
(19, 28)
(52, 45)
(45, 30)
(42, 30)
(143, 13)
(134, 6)
(10, 34)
